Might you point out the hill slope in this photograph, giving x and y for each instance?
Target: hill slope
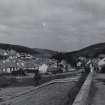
(45, 52)
(90, 52)
(17, 48)
(37, 52)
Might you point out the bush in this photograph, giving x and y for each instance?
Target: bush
(4, 82)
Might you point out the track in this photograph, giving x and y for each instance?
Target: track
(51, 93)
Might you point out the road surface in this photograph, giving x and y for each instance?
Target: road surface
(97, 95)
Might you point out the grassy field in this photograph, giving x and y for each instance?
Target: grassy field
(60, 93)
(52, 94)
(14, 81)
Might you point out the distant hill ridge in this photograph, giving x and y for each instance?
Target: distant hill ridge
(89, 52)
(34, 51)
(17, 48)
(45, 52)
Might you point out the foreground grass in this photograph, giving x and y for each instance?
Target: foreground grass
(54, 94)
(13, 81)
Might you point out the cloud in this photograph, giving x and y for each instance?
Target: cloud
(54, 24)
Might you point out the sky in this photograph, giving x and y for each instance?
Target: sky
(62, 25)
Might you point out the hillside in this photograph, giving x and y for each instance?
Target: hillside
(17, 48)
(90, 52)
(45, 52)
(37, 52)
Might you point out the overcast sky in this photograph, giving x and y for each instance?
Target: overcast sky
(62, 25)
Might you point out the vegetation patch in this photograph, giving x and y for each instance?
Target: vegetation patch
(4, 81)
